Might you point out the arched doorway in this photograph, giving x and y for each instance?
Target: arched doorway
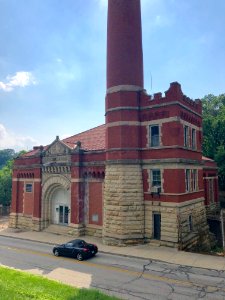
(56, 201)
(60, 206)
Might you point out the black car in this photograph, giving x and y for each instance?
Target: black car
(77, 248)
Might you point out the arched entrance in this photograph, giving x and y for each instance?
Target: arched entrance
(60, 206)
(56, 201)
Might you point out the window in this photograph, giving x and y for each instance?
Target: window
(154, 136)
(29, 187)
(186, 136)
(194, 180)
(187, 180)
(95, 218)
(193, 138)
(190, 223)
(156, 180)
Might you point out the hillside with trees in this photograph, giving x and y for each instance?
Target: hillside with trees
(213, 108)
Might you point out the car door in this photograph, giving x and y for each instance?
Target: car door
(68, 249)
(75, 248)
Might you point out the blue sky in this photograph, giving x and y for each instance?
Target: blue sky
(53, 61)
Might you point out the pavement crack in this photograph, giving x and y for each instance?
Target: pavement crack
(139, 276)
(171, 292)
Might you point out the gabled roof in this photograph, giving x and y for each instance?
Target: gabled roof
(91, 140)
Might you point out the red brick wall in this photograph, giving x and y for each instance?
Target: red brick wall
(174, 181)
(95, 202)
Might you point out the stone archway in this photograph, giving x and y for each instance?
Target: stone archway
(60, 206)
(56, 199)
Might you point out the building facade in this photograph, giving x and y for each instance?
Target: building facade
(138, 178)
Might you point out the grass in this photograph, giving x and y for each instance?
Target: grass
(17, 285)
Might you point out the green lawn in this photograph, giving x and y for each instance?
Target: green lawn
(16, 285)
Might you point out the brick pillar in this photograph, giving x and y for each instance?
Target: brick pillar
(77, 198)
(14, 202)
(36, 219)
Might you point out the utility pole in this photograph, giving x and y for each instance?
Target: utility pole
(222, 229)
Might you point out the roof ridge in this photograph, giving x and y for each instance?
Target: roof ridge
(83, 132)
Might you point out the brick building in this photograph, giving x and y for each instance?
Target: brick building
(139, 177)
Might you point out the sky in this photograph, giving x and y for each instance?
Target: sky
(53, 61)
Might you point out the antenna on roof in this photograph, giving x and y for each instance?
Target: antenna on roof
(151, 80)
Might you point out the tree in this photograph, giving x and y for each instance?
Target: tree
(6, 155)
(220, 159)
(213, 108)
(6, 175)
(6, 183)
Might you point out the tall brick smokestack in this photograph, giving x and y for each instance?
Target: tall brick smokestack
(123, 188)
(124, 44)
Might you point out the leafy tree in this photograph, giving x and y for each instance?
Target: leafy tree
(6, 175)
(6, 183)
(220, 159)
(214, 132)
(6, 155)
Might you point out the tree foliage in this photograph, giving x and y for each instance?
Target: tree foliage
(6, 183)
(6, 155)
(6, 164)
(214, 132)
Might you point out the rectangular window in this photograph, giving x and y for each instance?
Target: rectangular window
(187, 180)
(190, 223)
(95, 218)
(156, 181)
(154, 136)
(194, 180)
(186, 136)
(193, 138)
(29, 187)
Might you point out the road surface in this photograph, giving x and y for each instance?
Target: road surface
(124, 277)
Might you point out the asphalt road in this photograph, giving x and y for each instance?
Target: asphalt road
(124, 277)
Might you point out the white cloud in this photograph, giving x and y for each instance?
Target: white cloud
(20, 79)
(13, 141)
(103, 3)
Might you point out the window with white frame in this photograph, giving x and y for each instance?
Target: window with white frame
(193, 138)
(154, 135)
(186, 136)
(188, 180)
(156, 180)
(29, 187)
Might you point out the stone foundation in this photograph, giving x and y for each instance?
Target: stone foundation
(24, 222)
(175, 227)
(123, 205)
(93, 230)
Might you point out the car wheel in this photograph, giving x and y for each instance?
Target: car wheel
(80, 256)
(56, 253)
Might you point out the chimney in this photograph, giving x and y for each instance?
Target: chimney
(124, 44)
